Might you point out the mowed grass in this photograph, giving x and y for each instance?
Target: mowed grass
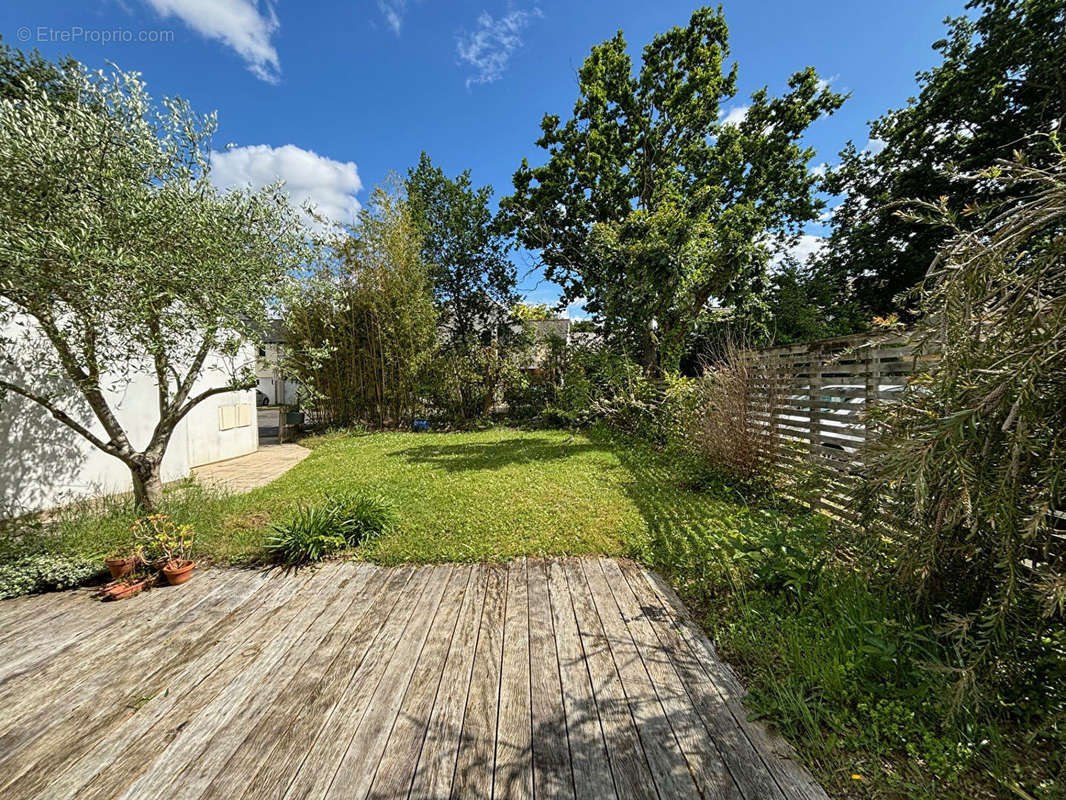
(489, 495)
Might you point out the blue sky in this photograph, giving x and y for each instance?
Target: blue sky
(331, 96)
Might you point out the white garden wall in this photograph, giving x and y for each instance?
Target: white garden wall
(44, 464)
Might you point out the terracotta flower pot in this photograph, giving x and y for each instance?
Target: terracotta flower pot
(178, 571)
(121, 567)
(120, 590)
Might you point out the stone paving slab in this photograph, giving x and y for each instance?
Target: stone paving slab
(256, 469)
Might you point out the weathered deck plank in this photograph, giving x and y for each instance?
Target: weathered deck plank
(477, 742)
(552, 773)
(706, 765)
(668, 766)
(395, 773)
(629, 765)
(740, 756)
(81, 713)
(320, 685)
(316, 773)
(588, 750)
(436, 761)
(353, 778)
(513, 771)
(536, 679)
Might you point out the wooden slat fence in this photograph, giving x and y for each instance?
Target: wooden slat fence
(814, 396)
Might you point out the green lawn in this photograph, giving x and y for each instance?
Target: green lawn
(488, 495)
(471, 496)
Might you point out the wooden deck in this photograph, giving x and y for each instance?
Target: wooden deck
(573, 678)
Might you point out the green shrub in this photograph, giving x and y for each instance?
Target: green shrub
(311, 535)
(341, 521)
(361, 514)
(44, 573)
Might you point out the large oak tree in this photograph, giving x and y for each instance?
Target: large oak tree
(651, 205)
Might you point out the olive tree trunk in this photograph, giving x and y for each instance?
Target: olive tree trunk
(147, 484)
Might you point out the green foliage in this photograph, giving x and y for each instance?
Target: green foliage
(362, 514)
(970, 462)
(839, 660)
(120, 257)
(798, 304)
(649, 204)
(473, 281)
(162, 538)
(343, 520)
(463, 387)
(991, 94)
(45, 572)
(311, 535)
(362, 329)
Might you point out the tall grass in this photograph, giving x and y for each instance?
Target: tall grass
(732, 429)
(93, 528)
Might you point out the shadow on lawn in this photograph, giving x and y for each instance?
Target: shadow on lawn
(494, 455)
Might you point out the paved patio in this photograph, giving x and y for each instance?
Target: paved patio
(571, 678)
(256, 469)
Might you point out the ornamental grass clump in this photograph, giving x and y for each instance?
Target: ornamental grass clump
(342, 521)
(970, 465)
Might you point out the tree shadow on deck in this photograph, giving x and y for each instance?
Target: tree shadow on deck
(496, 455)
(603, 741)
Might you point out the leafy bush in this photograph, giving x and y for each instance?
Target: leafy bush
(971, 463)
(45, 572)
(341, 521)
(361, 514)
(311, 535)
(463, 384)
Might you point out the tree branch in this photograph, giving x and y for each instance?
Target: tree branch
(88, 385)
(66, 419)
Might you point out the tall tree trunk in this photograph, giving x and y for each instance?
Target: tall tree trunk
(147, 484)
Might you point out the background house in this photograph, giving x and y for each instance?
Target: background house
(273, 387)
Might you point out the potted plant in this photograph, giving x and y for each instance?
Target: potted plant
(172, 543)
(122, 563)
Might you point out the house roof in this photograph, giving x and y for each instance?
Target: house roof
(548, 327)
(275, 332)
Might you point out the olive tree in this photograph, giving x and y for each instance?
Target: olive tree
(118, 258)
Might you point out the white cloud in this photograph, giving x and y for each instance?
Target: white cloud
(874, 146)
(735, 115)
(393, 11)
(330, 185)
(245, 25)
(823, 83)
(804, 248)
(819, 170)
(489, 48)
(576, 309)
